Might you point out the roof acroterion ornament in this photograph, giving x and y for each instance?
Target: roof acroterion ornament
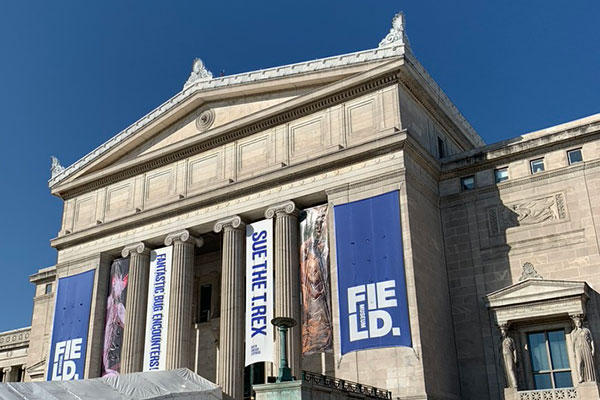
(396, 35)
(55, 168)
(199, 73)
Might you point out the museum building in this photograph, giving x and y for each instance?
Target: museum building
(349, 194)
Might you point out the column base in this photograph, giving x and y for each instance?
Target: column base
(588, 391)
(510, 394)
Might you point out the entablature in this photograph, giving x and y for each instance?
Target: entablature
(537, 298)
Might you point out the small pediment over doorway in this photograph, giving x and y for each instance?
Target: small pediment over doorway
(37, 371)
(537, 298)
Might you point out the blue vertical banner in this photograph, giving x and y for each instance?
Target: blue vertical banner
(370, 269)
(70, 328)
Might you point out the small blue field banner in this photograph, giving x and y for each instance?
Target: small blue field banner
(70, 328)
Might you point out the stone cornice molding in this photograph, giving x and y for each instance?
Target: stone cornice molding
(183, 236)
(137, 248)
(514, 184)
(533, 144)
(234, 222)
(47, 274)
(392, 141)
(285, 208)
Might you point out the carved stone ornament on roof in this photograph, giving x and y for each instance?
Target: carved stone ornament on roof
(396, 35)
(529, 272)
(55, 168)
(199, 73)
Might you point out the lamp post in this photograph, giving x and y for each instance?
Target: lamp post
(283, 324)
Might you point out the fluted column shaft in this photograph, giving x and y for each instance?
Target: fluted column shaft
(181, 299)
(287, 279)
(231, 343)
(132, 352)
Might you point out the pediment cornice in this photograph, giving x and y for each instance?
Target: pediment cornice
(320, 71)
(531, 290)
(537, 298)
(330, 95)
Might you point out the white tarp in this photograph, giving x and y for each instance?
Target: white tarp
(180, 384)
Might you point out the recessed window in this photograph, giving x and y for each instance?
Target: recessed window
(467, 183)
(574, 156)
(501, 174)
(549, 360)
(205, 300)
(48, 289)
(441, 148)
(537, 165)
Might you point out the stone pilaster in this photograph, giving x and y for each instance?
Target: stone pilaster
(181, 299)
(287, 278)
(231, 342)
(132, 353)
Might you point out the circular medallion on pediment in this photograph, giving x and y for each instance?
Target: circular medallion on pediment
(14, 338)
(21, 336)
(205, 120)
(2, 340)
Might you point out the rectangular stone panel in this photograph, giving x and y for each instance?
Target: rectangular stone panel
(361, 116)
(85, 210)
(307, 136)
(119, 199)
(205, 170)
(256, 153)
(160, 185)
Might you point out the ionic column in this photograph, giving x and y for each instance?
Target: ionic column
(180, 300)
(6, 374)
(231, 343)
(287, 277)
(132, 353)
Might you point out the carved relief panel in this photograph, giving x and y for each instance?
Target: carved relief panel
(526, 212)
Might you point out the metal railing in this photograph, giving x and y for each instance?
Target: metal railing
(346, 386)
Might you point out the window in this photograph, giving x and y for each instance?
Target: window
(549, 359)
(205, 300)
(48, 289)
(441, 148)
(467, 183)
(574, 156)
(537, 165)
(501, 174)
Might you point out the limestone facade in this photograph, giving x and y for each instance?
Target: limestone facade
(232, 150)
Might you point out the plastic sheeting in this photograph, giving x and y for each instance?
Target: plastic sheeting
(180, 384)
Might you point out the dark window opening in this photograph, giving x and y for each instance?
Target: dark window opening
(441, 148)
(205, 300)
(253, 375)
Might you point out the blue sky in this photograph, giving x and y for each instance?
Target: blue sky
(73, 74)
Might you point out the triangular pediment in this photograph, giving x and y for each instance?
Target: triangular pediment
(203, 112)
(535, 290)
(37, 370)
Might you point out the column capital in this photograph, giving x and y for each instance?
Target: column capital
(234, 222)
(6, 369)
(183, 236)
(138, 248)
(287, 207)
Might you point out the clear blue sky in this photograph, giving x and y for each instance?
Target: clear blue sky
(74, 73)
